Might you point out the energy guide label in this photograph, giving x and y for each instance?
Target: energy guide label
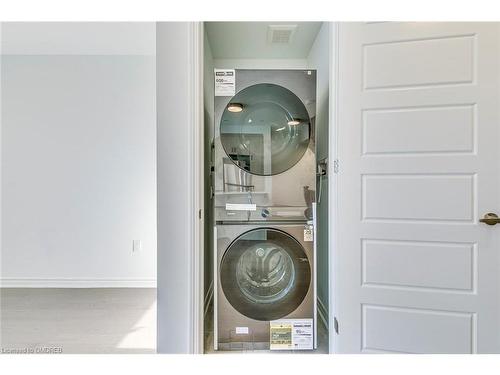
(225, 82)
(291, 334)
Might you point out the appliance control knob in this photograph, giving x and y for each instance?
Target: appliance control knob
(265, 213)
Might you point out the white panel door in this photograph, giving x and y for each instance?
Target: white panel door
(418, 136)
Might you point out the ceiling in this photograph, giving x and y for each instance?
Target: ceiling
(249, 40)
(78, 38)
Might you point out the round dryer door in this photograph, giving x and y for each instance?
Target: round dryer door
(265, 129)
(265, 274)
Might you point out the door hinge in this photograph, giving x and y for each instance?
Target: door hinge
(199, 214)
(336, 166)
(336, 325)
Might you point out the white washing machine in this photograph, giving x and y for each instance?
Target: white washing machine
(265, 290)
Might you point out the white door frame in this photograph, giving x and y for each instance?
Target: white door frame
(196, 41)
(196, 257)
(333, 167)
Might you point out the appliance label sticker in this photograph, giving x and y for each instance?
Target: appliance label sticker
(241, 207)
(308, 234)
(291, 334)
(242, 330)
(225, 82)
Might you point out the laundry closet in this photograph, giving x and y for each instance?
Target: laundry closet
(266, 115)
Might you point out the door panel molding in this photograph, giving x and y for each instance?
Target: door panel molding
(416, 119)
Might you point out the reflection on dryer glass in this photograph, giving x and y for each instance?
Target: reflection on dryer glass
(270, 133)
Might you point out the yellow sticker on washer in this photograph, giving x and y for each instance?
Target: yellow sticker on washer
(281, 335)
(291, 334)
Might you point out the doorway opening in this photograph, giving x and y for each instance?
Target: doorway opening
(264, 54)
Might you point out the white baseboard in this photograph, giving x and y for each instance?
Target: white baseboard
(77, 283)
(322, 312)
(208, 297)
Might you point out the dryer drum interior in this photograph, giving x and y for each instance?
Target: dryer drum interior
(265, 274)
(265, 129)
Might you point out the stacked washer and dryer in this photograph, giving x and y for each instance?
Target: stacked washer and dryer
(264, 182)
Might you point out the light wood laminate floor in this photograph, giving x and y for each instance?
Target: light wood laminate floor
(100, 320)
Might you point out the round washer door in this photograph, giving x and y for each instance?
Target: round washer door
(265, 129)
(265, 274)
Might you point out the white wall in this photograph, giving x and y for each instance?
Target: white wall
(78, 159)
(319, 59)
(176, 210)
(79, 38)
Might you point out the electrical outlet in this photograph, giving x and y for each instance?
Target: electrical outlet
(136, 246)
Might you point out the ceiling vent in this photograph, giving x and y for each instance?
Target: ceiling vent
(281, 34)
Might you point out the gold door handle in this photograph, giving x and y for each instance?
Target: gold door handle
(490, 219)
